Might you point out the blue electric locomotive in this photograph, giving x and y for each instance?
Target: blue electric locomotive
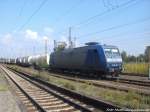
(101, 60)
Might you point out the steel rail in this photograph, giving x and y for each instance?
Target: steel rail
(100, 104)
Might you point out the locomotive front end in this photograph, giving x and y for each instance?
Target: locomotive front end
(113, 61)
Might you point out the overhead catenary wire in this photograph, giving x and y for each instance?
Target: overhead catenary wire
(69, 11)
(85, 22)
(124, 34)
(113, 5)
(116, 2)
(22, 8)
(102, 13)
(110, 4)
(115, 27)
(34, 13)
(105, 5)
(20, 13)
(66, 13)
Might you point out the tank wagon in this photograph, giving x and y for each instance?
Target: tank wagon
(25, 61)
(39, 61)
(2, 60)
(12, 61)
(19, 61)
(100, 60)
(8, 60)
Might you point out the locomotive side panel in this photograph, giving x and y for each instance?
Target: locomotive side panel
(83, 58)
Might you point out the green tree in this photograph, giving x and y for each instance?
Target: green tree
(141, 58)
(124, 56)
(147, 54)
(131, 58)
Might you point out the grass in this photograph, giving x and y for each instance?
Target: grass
(3, 85)
(136, 68)
(126, 99)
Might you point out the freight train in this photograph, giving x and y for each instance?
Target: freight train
(37, 61)
(93, 58)
(101, 60)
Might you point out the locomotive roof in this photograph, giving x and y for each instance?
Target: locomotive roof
(109, 46)
(88, 46)
(97, 45)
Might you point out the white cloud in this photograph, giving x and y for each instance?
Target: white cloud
(49, 40)
(31, 34)
(7, 39)
(48, 30)
(64, 39)
(45, 38)
(22, 43)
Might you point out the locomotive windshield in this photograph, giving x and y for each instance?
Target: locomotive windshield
(112, 52)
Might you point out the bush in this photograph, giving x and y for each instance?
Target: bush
(69, 86)
(136, 68)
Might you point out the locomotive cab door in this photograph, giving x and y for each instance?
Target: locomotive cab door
(92, 59)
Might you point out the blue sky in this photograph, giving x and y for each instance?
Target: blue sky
(124, 23)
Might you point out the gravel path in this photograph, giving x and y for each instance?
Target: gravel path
(7, 100)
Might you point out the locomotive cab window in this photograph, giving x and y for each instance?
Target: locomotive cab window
(112, 52)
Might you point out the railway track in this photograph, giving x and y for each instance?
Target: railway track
(121, 84)
(129, 80)
(141, 87)
(134, 74)
(117, 85)
(38, 95)
(135, 82)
